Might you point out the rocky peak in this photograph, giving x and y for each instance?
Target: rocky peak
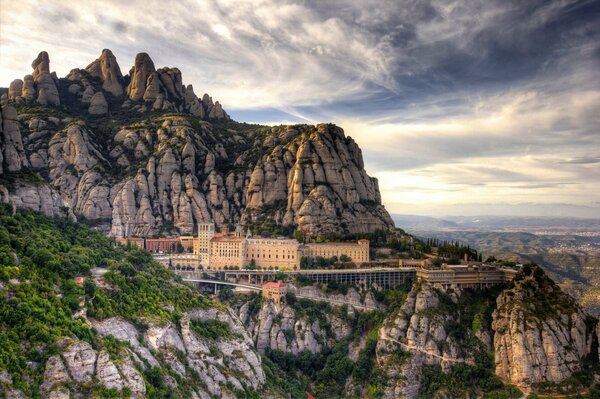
(44, 81)
(41, 65)
(541, 333)
(107, 69)
(141, 71)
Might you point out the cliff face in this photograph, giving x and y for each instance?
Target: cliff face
(284, 328)
(70, 327)
(423, 332)
(218, 363)
(115, 153)
(541, 334)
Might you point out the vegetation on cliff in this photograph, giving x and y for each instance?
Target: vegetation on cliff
(45, 310)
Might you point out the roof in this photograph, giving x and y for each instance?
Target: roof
(272, 284)
(226, 238)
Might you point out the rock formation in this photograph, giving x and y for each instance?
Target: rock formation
(179, 170)
(11, 145)
(281, 328)
(220, 364)
(107, 69)
(98, 104)
(43, 80)
(541, 334)
(418, 332)
(142, 69)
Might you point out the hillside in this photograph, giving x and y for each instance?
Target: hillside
(141, 154)
(133, 331)
(83, 317)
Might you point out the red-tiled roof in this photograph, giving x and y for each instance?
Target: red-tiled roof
(272, 284)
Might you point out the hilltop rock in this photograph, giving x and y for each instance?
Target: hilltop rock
(107, 69)
(192, 104)
(216, 112)
(15, 89)
(541, 334)
(142, 69)
(98, 105)
(28, 87)
(44, 82)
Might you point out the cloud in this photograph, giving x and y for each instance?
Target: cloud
(449, 100)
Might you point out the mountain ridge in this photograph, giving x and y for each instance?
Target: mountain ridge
(141, 154)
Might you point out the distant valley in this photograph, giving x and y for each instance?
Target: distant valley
(568, 248)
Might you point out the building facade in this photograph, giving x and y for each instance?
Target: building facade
(206, 231)
(358, 251)
(137, 241)
(465, 276)
(278, 253)
(274, 291)
(414, 262)
(226, 251)
(162, 244)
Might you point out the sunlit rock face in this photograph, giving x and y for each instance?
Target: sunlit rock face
(540, 333)
(141, 154)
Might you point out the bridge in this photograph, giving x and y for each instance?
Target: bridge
(222, 283)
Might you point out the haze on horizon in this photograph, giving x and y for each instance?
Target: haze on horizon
(460, 107)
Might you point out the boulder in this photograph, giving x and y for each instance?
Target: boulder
(28, 87)
(98, 105)
(15, 89)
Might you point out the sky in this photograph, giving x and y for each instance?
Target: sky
(460, 107)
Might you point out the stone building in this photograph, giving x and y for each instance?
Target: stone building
(465, 276)
(162, 244)
(206, 231)
(227, 251)
(358, 252)
(414, 262)
(278, 253)
(274, 291)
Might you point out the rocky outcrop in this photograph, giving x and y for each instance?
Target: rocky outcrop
(15, 89)
(418, 333)
(541, 334)
(107, 69)
(79, 365)
(43, 80)
(351, 298)
(98, 105)
(223, 365)
(282, 328)
(142, 69)
(11, 146)
(168, 173)
(35, 196)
